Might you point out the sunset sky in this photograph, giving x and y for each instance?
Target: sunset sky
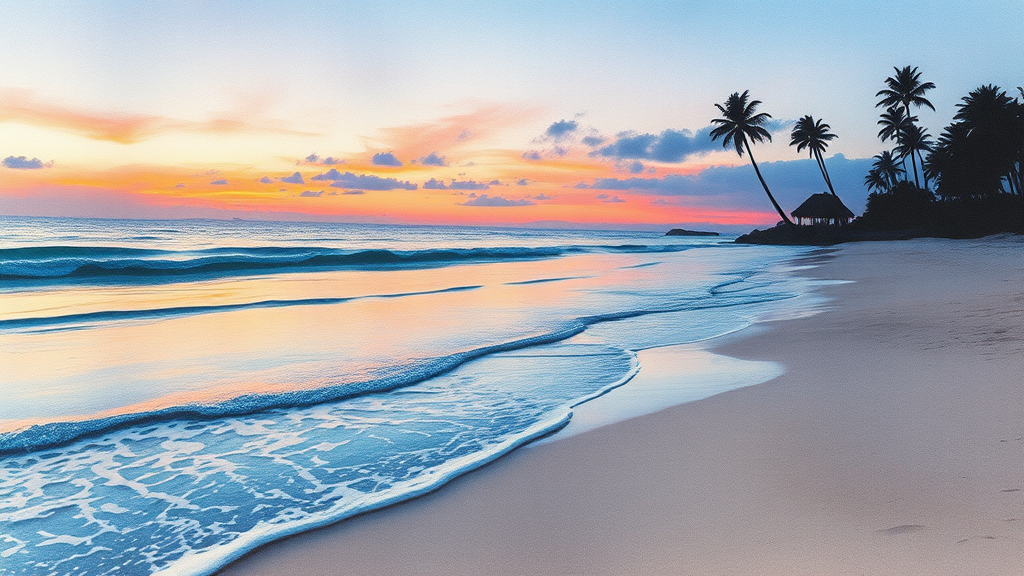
(593, 113)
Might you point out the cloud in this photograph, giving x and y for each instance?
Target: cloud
(312, 193)
(581, 185)
(23, 163)
(363, 181)
(23, 107)
(495, 201)
(531, 155)
(294, 179)
(669, 146)
(636, 167)
(433, 159)
(434, 184)
(318, 161)
(494, 182)
(385, 159)
(265, 180)
(562, 129)
(331, 174)
(593, 141)
(219, 182)
(736, 187)
(602, 196)
(180, 185)
(353, 193)
(542, 196)
(452, 132)
(523, 182)
(614, 199)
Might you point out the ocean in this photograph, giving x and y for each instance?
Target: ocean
(176, 393)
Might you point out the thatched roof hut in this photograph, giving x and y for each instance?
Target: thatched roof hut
(823, 209)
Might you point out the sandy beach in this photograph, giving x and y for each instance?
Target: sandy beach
(893, 444)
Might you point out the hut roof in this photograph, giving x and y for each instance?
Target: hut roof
(822, 205)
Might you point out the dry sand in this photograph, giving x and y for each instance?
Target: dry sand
(892, 445)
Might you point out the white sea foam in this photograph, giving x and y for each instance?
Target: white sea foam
(363, 401)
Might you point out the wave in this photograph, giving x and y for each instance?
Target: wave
(546, 280)
(52, 434)
(337, 461)
(72, 264)
(58, 322)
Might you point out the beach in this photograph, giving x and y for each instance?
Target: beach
(892, 444)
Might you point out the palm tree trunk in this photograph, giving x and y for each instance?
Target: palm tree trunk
(923, 173)
(824, 173)
(913, 161)
(765, 186)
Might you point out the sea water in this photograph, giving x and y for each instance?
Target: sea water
(175, 393)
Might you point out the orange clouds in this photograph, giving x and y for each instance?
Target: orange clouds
(479, 147)
(450, 133)
(24, 107)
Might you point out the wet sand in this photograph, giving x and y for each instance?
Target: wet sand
(892, 445)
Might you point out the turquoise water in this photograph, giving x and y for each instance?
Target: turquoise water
(178, 392)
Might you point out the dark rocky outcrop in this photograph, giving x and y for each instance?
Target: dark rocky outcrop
(681, 232)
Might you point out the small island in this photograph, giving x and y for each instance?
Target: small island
(681, 232)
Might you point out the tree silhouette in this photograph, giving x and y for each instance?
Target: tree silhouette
(888, 169)
(981, 149)
(913, 141)
(894, 122)
(903, 89)
(740, 125)
(815, 136)
(875, 181)
(993, 118)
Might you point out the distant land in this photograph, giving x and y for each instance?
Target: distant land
(681, 232)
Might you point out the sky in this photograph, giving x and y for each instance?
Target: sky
(495, 113)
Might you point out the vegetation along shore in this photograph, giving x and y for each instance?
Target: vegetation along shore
(967, 183)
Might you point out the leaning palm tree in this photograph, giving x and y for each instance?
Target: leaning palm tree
(888, 168)
(814, 135)
(903, 89)
(740, 124)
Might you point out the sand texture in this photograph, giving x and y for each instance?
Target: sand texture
(892, 445)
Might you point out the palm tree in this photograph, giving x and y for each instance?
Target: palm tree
(982, 147)
(905, 88)
(740, 124)
(888, 168)
(950, 163)
(875, 181)
(894, 122)
(913, 141)
(815, 136)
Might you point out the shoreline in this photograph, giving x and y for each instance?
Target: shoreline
(893, 444)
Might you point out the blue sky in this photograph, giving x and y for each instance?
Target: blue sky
(257, 86)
